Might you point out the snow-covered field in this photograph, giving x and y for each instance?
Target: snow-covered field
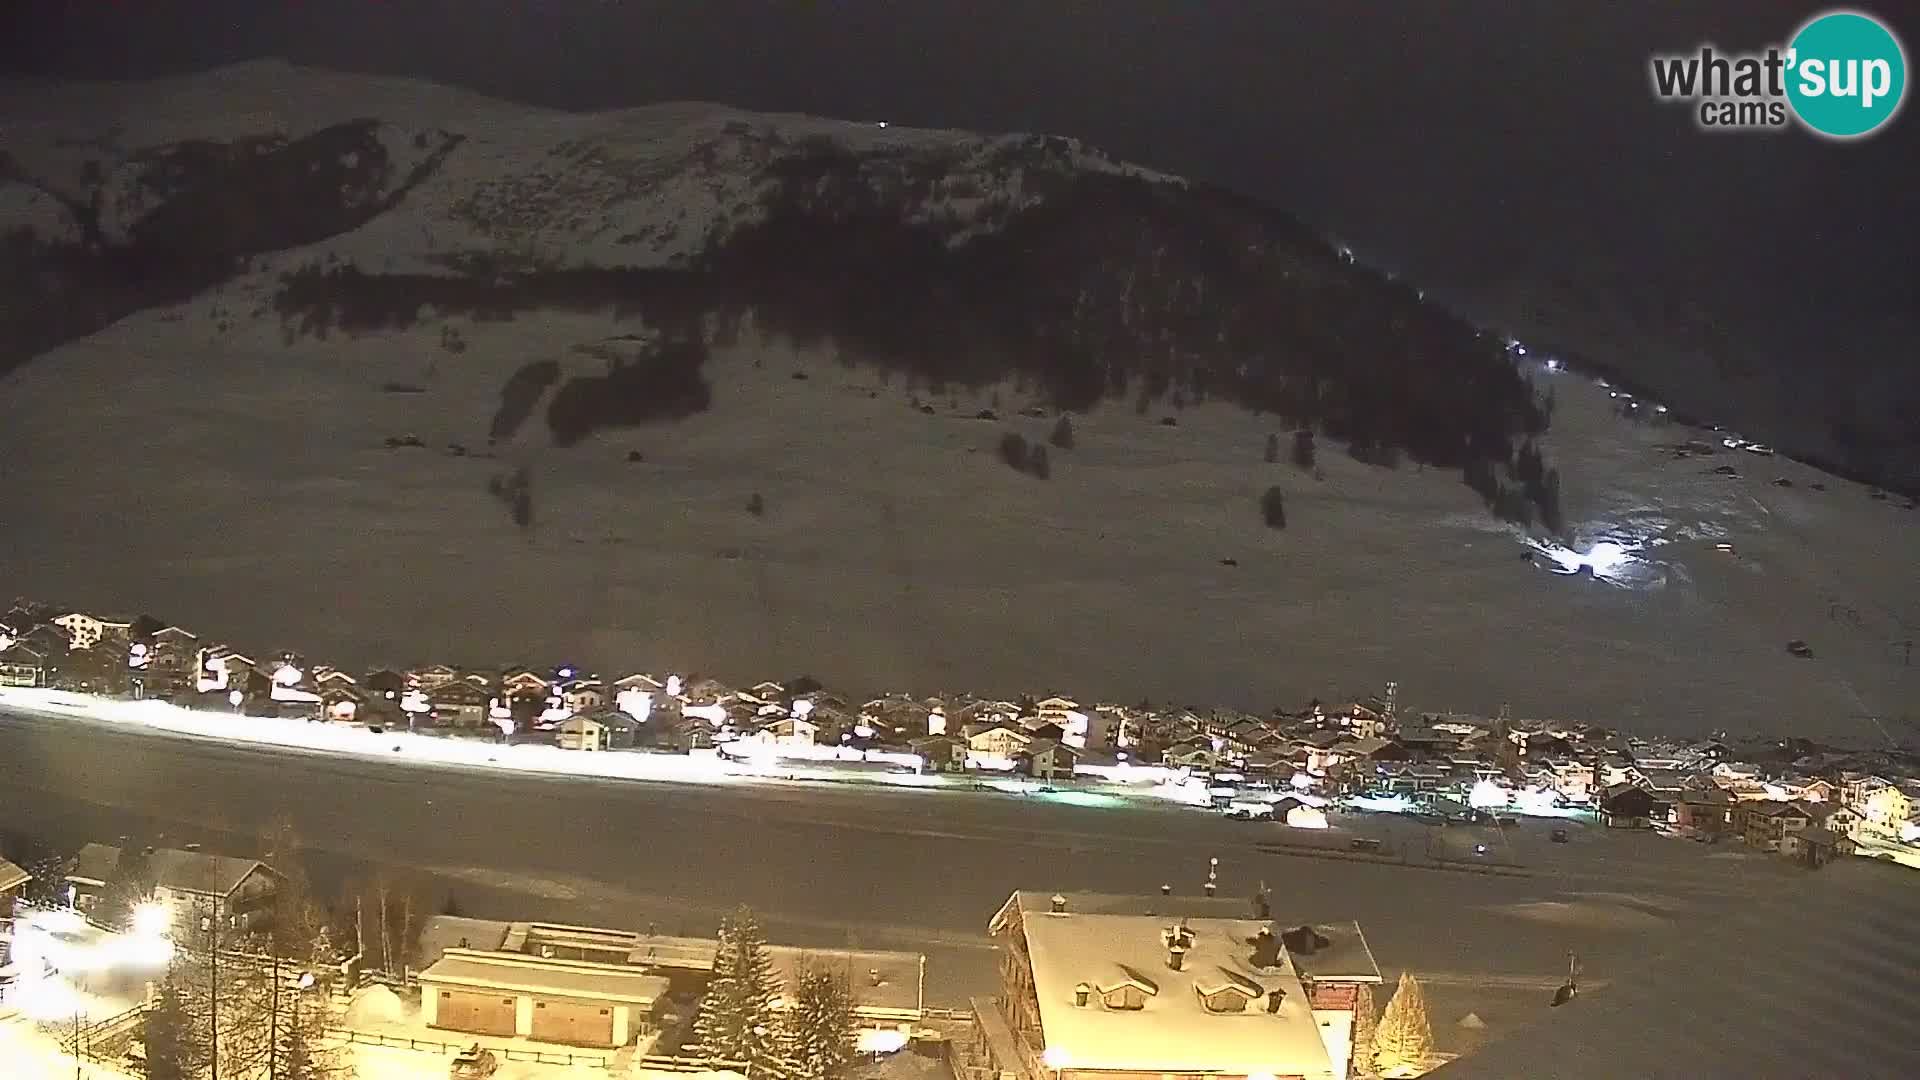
(238, 484)
(241, 487)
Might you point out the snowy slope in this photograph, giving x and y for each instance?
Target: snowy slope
(199, 460)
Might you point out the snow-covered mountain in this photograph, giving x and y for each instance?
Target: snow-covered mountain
(228, 297)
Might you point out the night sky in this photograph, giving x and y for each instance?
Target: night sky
(1469, 143)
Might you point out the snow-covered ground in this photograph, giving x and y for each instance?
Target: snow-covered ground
(241, 487)
(191, 463)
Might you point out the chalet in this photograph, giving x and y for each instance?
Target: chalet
(1093, 989)
(588, 986)
(432, 677)
(1765, 825)
(525, 684)
(22, 665)
(1045, 759)
(583, 695)
(768, 691)
(1626, 806)
(942, 753)
(341, 701)
(1831, 816)
(583, 732)
(1815, 847)
(85, 631)
(194, 885)
(1886, 808)
(385, 683)
(788, 731)
(1191, 755)
(639, 681)
(1704, 809)
(999, 741)
(460, 704)
(13, 882)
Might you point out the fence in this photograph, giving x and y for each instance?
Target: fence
(104, 1040)
(674, 1063)
(505, 1053)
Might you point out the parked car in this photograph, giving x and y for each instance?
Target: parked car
(1800, 649)
(473, 1063)
(1559, 836)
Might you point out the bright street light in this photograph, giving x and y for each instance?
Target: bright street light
(152, 919)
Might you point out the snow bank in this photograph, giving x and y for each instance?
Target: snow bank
(376, 1005)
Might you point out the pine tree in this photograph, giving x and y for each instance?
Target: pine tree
(167, 1035)
(736, 1021)
(1273, 448)
(819, 1026)
(1303, 454)
(1366, 1021)
(1404, 1039)
(1063, 433)
(1273, 508)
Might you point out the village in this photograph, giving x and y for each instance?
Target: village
(1805, 801)
(1097, 986)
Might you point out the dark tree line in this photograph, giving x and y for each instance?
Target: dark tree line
(1112, 287)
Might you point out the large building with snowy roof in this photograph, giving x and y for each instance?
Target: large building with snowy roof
(1106, 991)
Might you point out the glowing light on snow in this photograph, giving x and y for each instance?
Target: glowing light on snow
(1487, 795)
(235, 697)
(1382, 804)
(864, 731)
(1306, 817)
(712, 714)
(1536, 802)
(415, 702)
(152, 919)
(635, 703)
(1301, 781)
(1603, 559)
(137, 656)
(565, 673)
(802, 707)
(884, 1041)
(287, 675)
(1553, 364)
(673, 686)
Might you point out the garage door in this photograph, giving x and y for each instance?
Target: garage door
(572, 1022)
(482, 1014)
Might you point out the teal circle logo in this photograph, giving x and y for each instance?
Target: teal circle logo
(1847, 74)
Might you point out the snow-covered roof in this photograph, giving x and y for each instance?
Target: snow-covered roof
(11, 876)
(543, 975)
(1173, 1030)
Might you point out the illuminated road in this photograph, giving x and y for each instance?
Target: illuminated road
(824, 865)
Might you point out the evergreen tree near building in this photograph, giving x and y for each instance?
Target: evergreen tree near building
(1366, 1022)
(819, 1026)
(1404, 1039)
(1272, 455)
(736, 1020)
(167, 1036)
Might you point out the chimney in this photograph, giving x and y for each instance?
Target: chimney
(1080, 995)
(1058, 904)
(873, 976)
(1274, 997)
(1176, 954)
